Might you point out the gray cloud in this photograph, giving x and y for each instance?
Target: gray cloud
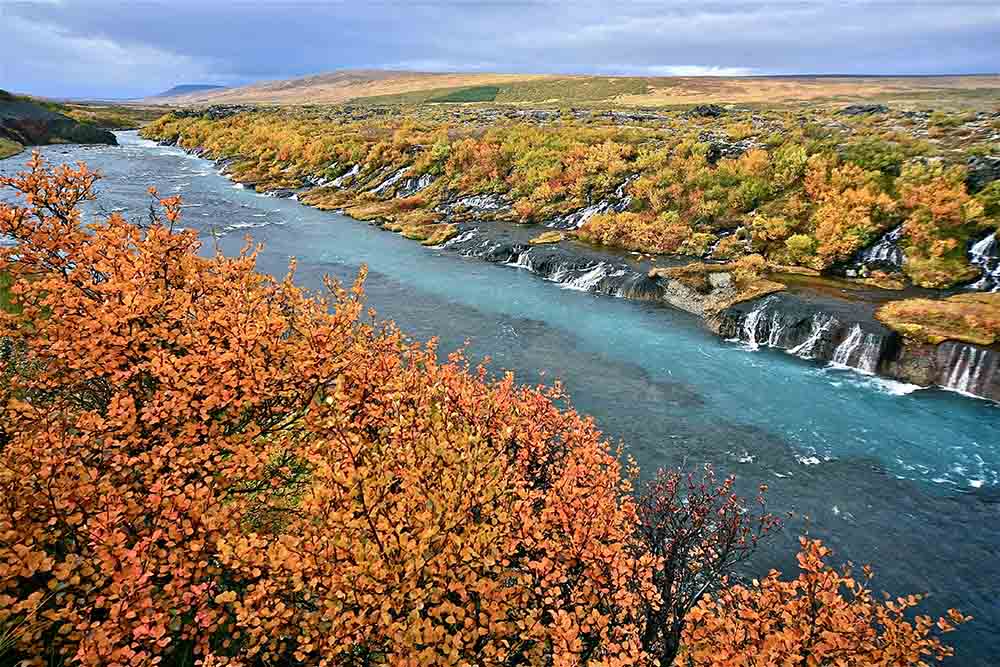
(113, 48)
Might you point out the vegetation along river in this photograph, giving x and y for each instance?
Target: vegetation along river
(906, 480)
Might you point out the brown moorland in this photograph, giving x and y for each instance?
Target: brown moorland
(347, 85)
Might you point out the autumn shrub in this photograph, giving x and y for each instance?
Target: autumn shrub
(748, 269)
(637, 231)
(872, 154)
(941, 218)
(203, 461)
(971, 318)
(822, 617)
(410, 203)
(851, 208)
(801, 248)
(730, 247)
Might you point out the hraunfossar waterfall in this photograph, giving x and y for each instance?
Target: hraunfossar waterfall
(878, 447)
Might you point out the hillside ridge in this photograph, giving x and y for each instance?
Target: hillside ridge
(385, 86)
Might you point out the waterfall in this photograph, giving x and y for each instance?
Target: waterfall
(616, 203)
(389, 182)
(751, 322)
(776, 328)
(968, 366)
(460, 238)
(986, 255)
(589, 280)
(522, 260)
(860, 346)
(340, 180)
(885, 251)
(821, 324)
(871, 352)
(758, 330)
(842, 355)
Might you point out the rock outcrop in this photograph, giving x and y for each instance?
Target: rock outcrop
(863, 109)
(982, 170)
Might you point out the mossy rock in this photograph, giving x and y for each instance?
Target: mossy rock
(548, 237)
(9, 148)
(969, 318)
(430, 235)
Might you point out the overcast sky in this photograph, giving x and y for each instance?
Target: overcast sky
(107, 48)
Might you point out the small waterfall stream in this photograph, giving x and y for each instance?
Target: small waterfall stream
(968, 367)
(615, 203)
(822, 324)
(885, 251)
(986, 255)
(750, 323)
(860, 350)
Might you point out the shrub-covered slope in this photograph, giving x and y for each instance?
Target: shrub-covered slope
(804, 190)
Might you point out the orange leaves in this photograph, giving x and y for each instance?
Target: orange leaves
(204, 456)
(637, 231)
(823, 617)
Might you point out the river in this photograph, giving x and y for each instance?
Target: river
(906, 480)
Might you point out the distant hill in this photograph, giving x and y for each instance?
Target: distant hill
(25, 122)
(397, 87)
(340, 86)
(188, 89)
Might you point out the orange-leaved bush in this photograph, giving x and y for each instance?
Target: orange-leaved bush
(824, 616)
(202, 461)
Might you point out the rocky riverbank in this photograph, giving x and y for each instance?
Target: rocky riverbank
(826, 322)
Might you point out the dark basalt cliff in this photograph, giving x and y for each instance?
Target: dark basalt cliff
(846, 334)
(28, 123)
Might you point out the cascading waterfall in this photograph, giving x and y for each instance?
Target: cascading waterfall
(764, 326)
(341, 180)
(460, 238)
(389, 182)
(842, 355)
(413, 185)
(616, 203)
(522, 261)
(589, 280)
(751, 321)
(821, 324)
(776, 329)
(986, 255)
(968, 367)
(885, 251)
(860, 350)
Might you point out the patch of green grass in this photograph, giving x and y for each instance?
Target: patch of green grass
(414, 97)
(474, 94)
(9, 148)
(573, 89)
